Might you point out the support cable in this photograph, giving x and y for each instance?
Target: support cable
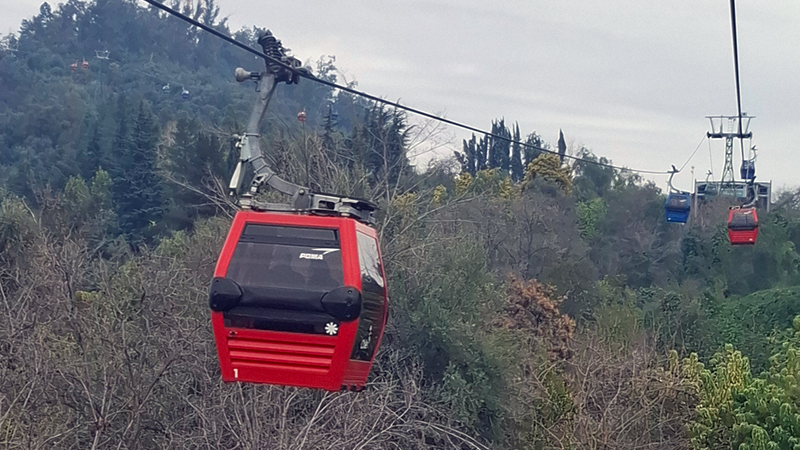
(303, 74)
(736, 72)
(710, 158)
(693, 153)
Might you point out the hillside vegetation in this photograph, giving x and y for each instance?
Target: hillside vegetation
(534, 304)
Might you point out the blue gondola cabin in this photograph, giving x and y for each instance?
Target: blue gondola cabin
(677, 207)
(298, 300)
(748, 170)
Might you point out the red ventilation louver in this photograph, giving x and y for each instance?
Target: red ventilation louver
(298, 300)
(742, 226)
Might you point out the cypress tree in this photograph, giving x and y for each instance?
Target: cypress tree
(482, 152)
(517, 170)
(562, 146)
(495, 159)
(499, 149)
(470, 156)
(533, 143)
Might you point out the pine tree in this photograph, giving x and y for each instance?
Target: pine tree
(141, 205)
(93, 156)
(328, 130)
(119, 158)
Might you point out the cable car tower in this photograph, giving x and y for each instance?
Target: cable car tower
(728, 186)
(728, 181)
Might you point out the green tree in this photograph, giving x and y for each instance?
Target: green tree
(548, 167)
(140, 205)
(469, 157)
(745, 413)
(517, 169)
(499, 148)
(532, 143)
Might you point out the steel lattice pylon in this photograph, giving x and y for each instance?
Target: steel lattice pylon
(728, 180)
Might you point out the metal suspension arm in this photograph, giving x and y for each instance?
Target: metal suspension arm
(250, 150)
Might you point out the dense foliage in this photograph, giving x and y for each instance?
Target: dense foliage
(535, 302)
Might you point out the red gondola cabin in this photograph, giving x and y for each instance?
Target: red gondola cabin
(298, 300)
(742, 226)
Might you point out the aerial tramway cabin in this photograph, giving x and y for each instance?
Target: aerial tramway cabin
(742, 226)
(677, 207)
(298, 300)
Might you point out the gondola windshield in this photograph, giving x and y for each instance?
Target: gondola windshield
(287, 257)
(742, 220)
(283, 268)
(678, 202)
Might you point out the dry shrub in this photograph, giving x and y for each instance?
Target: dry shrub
(625, 398)
(128, 362)
(534, 307)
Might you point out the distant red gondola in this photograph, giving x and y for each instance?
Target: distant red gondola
(298, 300)
(742, 226)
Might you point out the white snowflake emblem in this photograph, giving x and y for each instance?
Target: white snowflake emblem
(331, 328)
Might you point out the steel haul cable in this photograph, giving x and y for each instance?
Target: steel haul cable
(383, 101)
(736, 72)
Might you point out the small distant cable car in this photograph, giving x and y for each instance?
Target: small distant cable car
(748, 170)
(301, 116)
(74, 66)
(678, 204)
(185, 94)
(298, 300)
(742, 226)
(165, 89)
(677, 207)
(85, 64)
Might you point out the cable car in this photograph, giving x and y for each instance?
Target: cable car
(748, 170)
(185, 94)
(742, 226)
(85, 64)
(298, 300)
(74, 66)
(677, 207)
(165, 89)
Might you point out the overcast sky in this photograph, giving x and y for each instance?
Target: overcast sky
(630, 79)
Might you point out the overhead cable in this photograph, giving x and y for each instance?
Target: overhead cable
(397, 105)
(736, 71)
(693, 153)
